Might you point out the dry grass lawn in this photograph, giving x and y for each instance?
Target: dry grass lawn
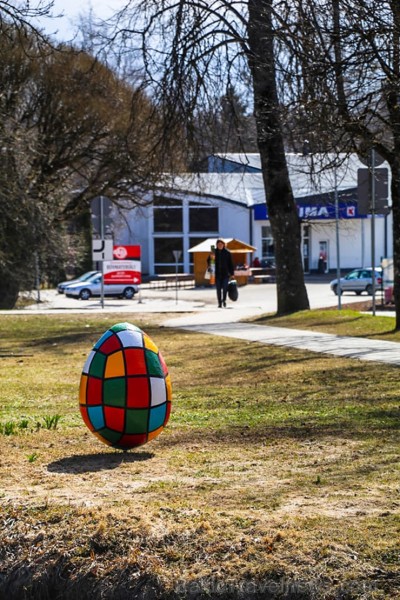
(277, 477)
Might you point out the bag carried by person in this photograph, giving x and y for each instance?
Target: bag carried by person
(233, 292)
(207, 274)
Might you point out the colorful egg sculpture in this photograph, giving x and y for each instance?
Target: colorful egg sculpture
(125, 390)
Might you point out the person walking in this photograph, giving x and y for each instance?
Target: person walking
(223, 271)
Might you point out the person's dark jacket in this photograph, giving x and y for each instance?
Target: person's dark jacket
(223, 263)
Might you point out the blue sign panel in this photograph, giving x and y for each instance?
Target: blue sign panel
(347, 210)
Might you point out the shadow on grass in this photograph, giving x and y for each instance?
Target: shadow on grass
(84, 463)
(67, 339)
(77, 338)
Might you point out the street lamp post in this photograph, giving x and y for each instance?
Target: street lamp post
(373, 229)
(102, 262)
(339, 290)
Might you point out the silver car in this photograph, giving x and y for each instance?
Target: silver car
(61, 286)
(358, 281)
(92, 287)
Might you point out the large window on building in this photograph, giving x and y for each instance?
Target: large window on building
(167, 215)
(195, 240)
(179, 224)
(164, 260)
(203, 218)
(168, 220)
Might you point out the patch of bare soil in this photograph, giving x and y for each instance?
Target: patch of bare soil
(83, 472)
(182, 516)
(364, 306)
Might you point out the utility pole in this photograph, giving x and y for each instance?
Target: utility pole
(373, 229)
(339, 288)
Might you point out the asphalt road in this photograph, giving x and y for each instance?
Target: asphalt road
(253, 299)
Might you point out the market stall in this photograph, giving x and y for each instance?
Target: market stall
(241, 255)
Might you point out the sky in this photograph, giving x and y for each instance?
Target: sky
(63, 28)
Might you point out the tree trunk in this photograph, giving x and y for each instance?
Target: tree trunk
(393, 105)
(9, 290)
(282, 210)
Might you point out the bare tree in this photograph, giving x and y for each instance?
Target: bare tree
(69, 130)
(350, 83)
(20, 16)
(191, 50)
(228, 127)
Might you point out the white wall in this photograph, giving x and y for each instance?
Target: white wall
(354, 242)
(235, 221)
(135, 226)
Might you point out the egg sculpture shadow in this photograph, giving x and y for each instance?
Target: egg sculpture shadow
(125, 390)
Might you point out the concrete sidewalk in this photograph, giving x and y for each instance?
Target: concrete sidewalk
(348, 347)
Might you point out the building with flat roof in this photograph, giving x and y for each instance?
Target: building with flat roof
(229, 201)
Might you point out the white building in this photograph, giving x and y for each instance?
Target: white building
(229, 201)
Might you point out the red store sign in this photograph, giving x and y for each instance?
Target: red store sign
(126, 268)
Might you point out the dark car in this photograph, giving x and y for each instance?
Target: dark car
(358, 281)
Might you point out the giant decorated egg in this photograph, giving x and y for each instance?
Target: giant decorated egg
(125, 389)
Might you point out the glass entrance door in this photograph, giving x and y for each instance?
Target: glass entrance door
(323, 257)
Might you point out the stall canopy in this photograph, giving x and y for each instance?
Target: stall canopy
(239, 250)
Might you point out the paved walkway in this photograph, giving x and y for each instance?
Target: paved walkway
(349, 347)
(227, 323)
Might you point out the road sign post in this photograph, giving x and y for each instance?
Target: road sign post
(373, 194)
(177, 255)
(102, 244)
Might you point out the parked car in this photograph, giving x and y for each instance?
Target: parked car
(92, 287)
(61, 286)
(358, 281)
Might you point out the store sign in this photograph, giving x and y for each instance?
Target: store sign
(314, 211)
(126, 252)
(126, 268)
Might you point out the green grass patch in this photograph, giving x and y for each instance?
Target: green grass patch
(339, 322)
